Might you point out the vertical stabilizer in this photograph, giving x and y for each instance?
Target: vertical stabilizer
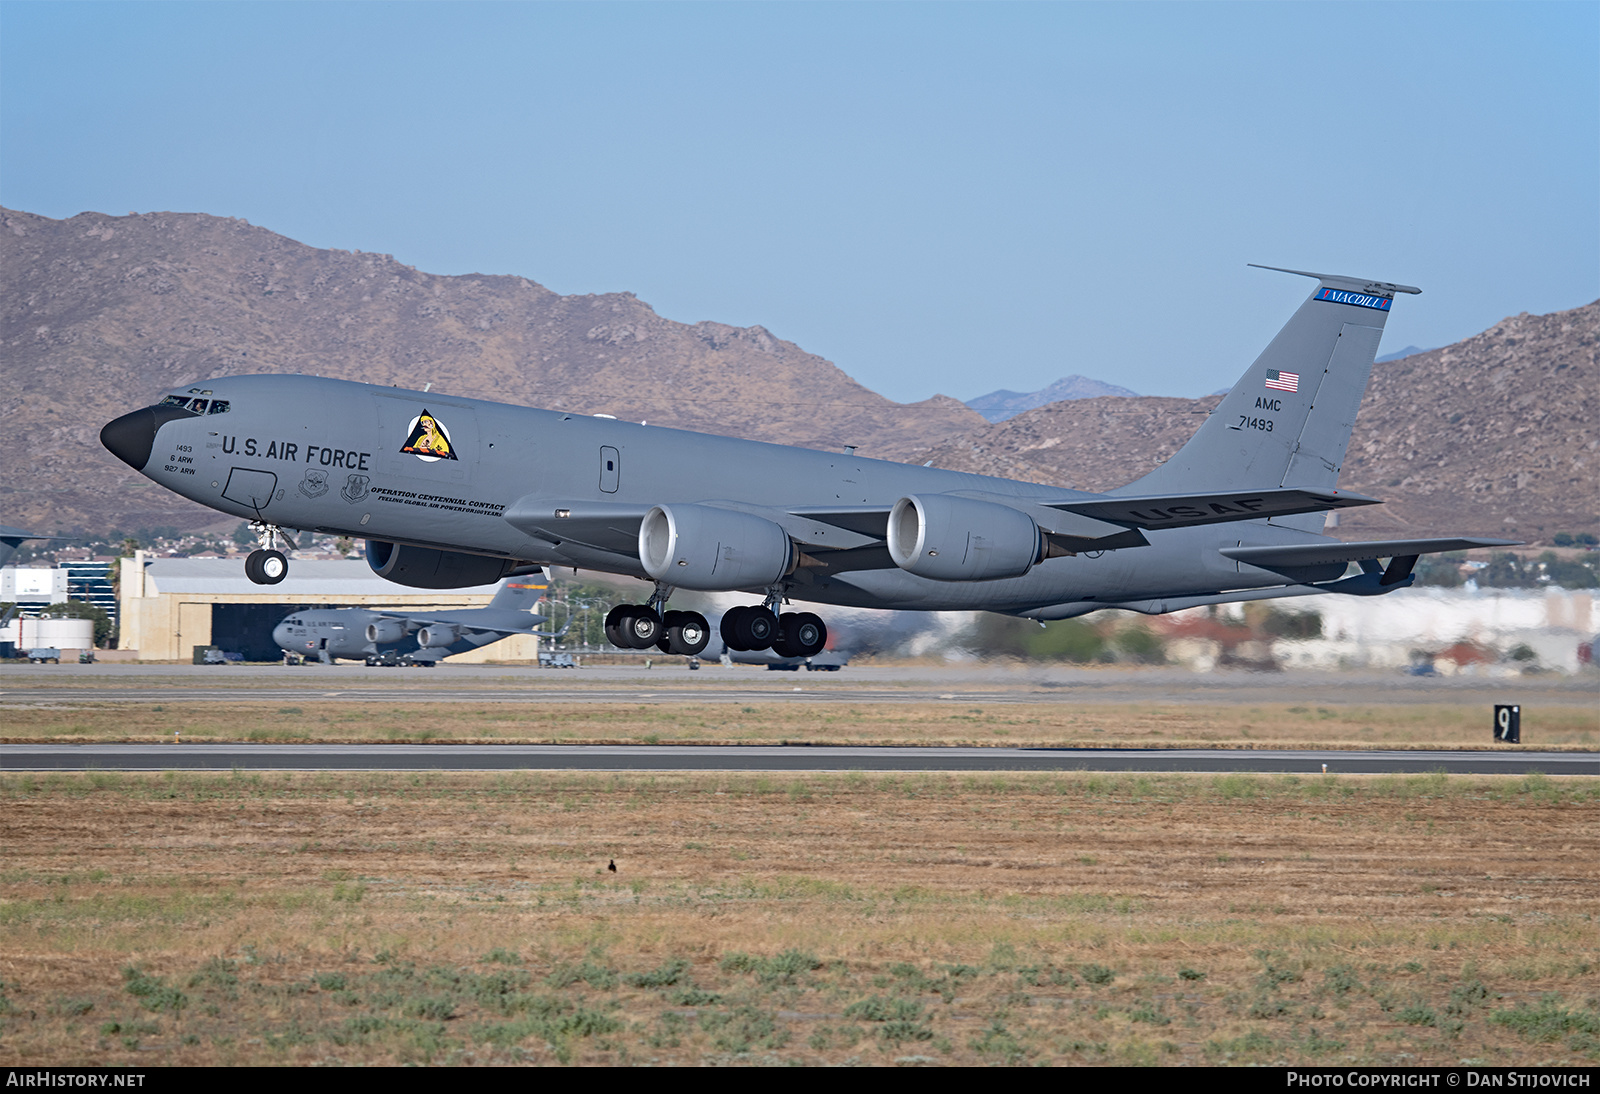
(520, 594)
(1287, 421)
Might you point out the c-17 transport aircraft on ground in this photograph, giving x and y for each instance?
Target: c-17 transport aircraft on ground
(381, 637)
(450, 492)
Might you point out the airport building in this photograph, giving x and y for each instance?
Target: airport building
(89, 580)
(33, 586)
(169, 606)
(33, 589)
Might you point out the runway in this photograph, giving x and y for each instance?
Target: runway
(67, 685)
(181, 757)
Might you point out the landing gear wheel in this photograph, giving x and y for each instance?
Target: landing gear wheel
(266, 567)
(730, 627)
(755, 628)
(614, 624)
(642, 628)
(803, 633)
(687, 633)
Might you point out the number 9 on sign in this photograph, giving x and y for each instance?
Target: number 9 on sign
(1508, 724)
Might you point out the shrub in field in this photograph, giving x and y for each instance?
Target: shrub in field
(1097, 974)
(781, 969)
(1340, 979)
(596, 976)
(1000, 1043)
(152, 991)
(665, 976)
(1549, 1021)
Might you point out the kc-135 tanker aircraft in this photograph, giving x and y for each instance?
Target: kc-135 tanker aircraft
(450, 492)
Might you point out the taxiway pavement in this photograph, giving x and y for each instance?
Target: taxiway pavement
(669, 682)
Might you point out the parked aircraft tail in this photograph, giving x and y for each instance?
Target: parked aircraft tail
(521, 593)
(1287, 421)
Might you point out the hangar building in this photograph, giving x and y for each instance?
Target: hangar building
(171, 605)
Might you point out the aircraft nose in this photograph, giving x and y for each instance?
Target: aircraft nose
(131, 437)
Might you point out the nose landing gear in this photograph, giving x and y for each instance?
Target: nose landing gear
(267, 565)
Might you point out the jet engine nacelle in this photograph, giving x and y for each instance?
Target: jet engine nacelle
(950, 538)
(713, 550)
(386, 630)
(429, 568)
(438, 635)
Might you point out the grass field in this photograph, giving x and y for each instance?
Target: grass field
(1355, 725)
(942, 919)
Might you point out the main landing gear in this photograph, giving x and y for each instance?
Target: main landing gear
(267, 565)
(756, 627)
(750, 627)
(640, 626)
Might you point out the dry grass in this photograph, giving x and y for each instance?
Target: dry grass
(469, 918)
(1020, 724)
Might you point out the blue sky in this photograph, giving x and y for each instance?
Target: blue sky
(937, 197)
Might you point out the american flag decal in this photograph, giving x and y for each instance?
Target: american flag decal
(1283, 381)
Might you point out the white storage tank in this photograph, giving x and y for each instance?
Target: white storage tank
(63, 634)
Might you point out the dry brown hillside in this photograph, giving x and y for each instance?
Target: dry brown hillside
(1496, 435)
(99, 314)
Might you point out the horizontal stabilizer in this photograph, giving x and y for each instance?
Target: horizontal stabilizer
(1340, 281)
(1163, 605)
(1317, 554)
(1186, 510)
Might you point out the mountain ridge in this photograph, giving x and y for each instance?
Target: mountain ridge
(149, 302)
(100, 314)
(997, 406)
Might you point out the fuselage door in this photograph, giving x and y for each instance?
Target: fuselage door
(250, 488)
(610, 469)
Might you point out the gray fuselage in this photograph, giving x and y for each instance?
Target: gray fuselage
(353, 459)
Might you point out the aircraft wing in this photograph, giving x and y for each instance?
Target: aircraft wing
(1068, 531)
(12, 538)
(1074, 524)
(604, 525)
(496, 620)
(871, 521)
(20, 534)
(1187, 510)
(1101, 522)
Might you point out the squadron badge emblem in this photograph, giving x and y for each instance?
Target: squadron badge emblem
(355, 488)
(315, 484)
(428, 439)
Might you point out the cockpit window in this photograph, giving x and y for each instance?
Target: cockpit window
(197, 405)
